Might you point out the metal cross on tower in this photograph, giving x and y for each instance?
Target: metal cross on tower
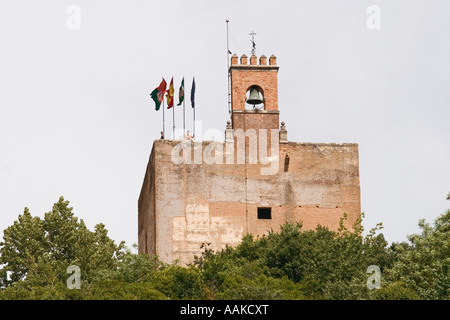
(253, 42)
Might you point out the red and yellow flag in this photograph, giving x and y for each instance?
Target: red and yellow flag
(169, 95)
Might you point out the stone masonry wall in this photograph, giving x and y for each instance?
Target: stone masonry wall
(184, 205)
(244, 75)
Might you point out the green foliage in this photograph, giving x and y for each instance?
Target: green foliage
(118, 290)
(107, 290)
(178, 282)
(394, 291)
(39, 251)
(260, 288)
(22, 291)
(323, 263)
(130, 268)
(424, 264)
(290, 264)
(23, 244)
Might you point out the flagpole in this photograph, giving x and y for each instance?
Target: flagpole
(173, 118)
(164, 124)
(184, 115)
(193, 102)
(228, 72)
(194, 121)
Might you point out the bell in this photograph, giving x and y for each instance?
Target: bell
(254, 97)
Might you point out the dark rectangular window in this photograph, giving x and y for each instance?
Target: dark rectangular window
(264, 213)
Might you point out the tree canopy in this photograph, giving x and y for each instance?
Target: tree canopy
(290, 264)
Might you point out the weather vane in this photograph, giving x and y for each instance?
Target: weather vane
(253, 42)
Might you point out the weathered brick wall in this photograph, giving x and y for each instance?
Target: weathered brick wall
(243, 76)
(184, 205)
(255, 119)
(146, 211)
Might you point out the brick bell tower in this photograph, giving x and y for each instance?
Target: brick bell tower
(250, 81)
(184, 204)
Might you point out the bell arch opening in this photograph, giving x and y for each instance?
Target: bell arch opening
(254, 98)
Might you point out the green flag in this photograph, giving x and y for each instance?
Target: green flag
(158, 94)
(181, 93)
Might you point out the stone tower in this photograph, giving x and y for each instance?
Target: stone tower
(198, 192)
(264, 77)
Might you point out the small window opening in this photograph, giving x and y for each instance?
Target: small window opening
(264, 213)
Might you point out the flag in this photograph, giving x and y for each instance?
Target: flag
(169, 95)
(158, 94)
(181, 93)
(193, 93)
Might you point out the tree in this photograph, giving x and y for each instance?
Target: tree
(290, 264)
(23, 244)
(38, 251)
(131, 268)
(118, 290)
(394, 291)
(237, 287)
(326, 264)
(424, 264)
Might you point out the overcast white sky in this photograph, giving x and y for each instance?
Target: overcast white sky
(76, 118)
